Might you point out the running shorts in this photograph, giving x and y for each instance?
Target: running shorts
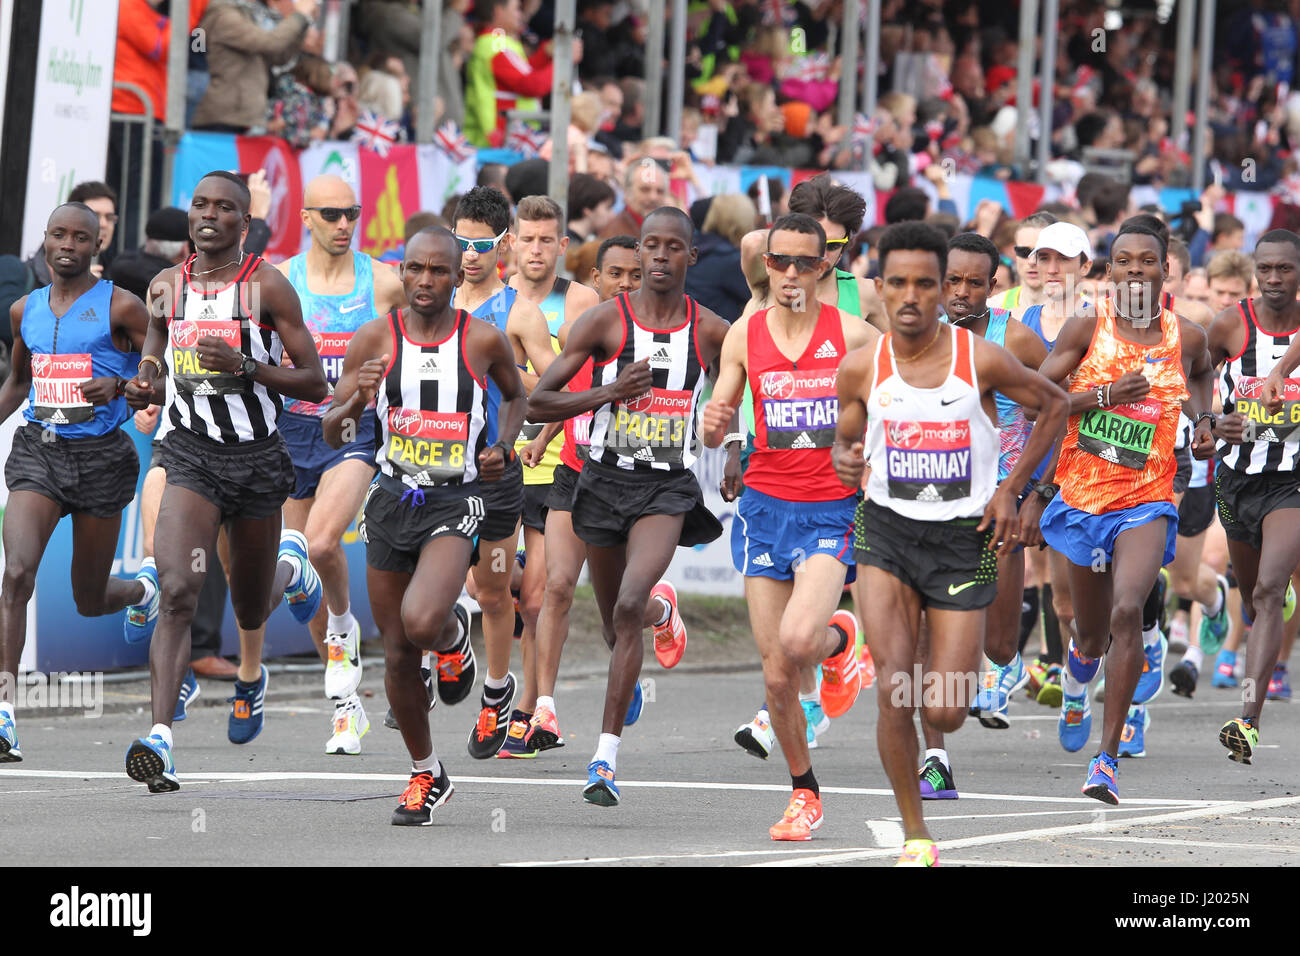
(1196, 511)
(249, 481)
(560, 491)
(304, 436)
(1246, 500)
(397, 521)
(609, 501)
(504, 501)
(771, 537)
(535, 506)
(1084, 537)
(94, 476)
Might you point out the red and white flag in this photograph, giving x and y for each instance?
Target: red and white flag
(452, 141)
(522, 138)
(375, 133)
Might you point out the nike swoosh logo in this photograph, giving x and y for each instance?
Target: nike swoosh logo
(352, 308)
(949, 401)
(954, 591)
(1154, 360)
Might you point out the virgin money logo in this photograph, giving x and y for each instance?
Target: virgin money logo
(904, 434)
(949, 433)
(186, 334)
(641, 403)
(40, 365)
(316, 340)
(405, 420)
(778, 384)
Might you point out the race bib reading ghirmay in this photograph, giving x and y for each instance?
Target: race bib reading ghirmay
(1122, 435)
(928, 461)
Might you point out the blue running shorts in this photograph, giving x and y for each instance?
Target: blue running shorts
(1078, 535)
(771, 536)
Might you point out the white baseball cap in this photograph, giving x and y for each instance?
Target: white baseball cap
(1066, 238)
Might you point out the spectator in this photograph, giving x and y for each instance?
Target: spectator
(631, 116)
(776, 197)
(1229, 234)
(907, 205)
(645, 189)
(167, 243)
(300, 105)
(716, 280)
(584, 120)
(240, 53)
(1197, 287)
(493, 175)
(1229, 275)
(381, 93)
(529, 178)
(414, 223)
(1109, 206)
(591, 207)
(595, 17)
(343, 88)
(757, 135)
(392, 28)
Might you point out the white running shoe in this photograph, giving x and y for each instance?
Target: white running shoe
(343, 667)
(755, 737)
(1179, 634)
(350, 725)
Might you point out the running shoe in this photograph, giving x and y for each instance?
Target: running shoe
(1279, 685)
(919, 853)
(304, 596)
(1099, 693)
(1037, 678)
(188, 695)
(1241, 738)
(343, 667)
(516, 747)
(424, 793)
(1180, 633)
(457, 668)
(10, 752)
(936, 781)
(756, 737)
(1051, 693)
(816, 722)
(246, 715)
(634, 709)
(670, 637)
(426, 675)
(1214, 629)
(493, 722)
(1101, 784)
(140, 620)
(149, 760)
(600, 789)
(841, 678)
(1083, 669)
(1152, 679)
(801, 817)
(1132, 739)
(544, 730)
(867, 666)
(1288, 603)
(1225, 666)
(350, 725)
(1183, 677)
(1075, 724)
(999, 684)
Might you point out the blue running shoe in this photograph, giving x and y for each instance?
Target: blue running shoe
(305, 596)
(996, 696)
(1101, 783)
(1075, 725)
(1225, 666)
(1132, 739)
(1080, 667)
(140, 620)
(189, 694)
(816, 721)
(634, 708)
(150, 761)
(1214, 630)
(936, 781)
(9, 749)
(600, 788)
(1152, 678)
(246, 716)
(1279, 685)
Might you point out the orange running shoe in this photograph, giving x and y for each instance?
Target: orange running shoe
(841, 675)
(544, 730)
(802, 817)
(867, 664)
(670, 637)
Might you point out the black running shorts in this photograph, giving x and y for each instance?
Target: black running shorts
(94, 476)
(561, 490)
(1246, 500)
(609, 501)
(947, 563)
(397, 521)
(535, 506)
(1196, 511)
(504, 501)
(1183, 476)
(249, 481)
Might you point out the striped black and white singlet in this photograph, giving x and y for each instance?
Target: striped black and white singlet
(1277, 437)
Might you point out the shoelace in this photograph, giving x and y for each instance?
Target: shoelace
(450, 665)
(487, 723)
(415, 497)
(417, 791)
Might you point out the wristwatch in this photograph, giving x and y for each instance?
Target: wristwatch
(248, 369)
(1046, 490)
(1214, 420)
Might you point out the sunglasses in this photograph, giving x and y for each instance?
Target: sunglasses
(802, 264)
(480, 246)
(1022, 251)
(332, 213)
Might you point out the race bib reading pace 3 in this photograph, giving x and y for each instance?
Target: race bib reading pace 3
(928, 461)
(1282, 427)
(1122, 434)
(428, 446)
(800, 408)
(653, 426)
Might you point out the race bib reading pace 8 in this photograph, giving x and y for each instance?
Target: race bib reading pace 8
(428, 446)
(188, 375)
(800, 408)
(653, 426)
(1122, 435)
(1282, 427)
(928, 461)
(56, 381)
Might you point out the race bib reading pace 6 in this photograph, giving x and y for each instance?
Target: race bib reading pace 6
(190, 376)
(1247, 402)
(56, 384)
(800, 408)
(928, 461)
(428, 446)
(653, 426)
(1122, 435)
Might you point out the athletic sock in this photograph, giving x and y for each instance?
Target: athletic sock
(6, 708)
(547, 702)
(1151, 608)
(1070, 685)
(163, 731)
(426, 660)
(1051, 628)
(810, 696)
(494, 689)
(1214, 609)
(763, 715)
(429, 763)
(607, 750)
(149, 589)
(805, 781)
(667, 611)
(941, 754)
(1028, 615)
(295, 563)
(842, 644)
(1151, 636)
(1194, 656)
(340, 623)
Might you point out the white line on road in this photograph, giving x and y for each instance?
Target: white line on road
(1289, 821)
(1210, 844)
(664, 856)
(886, 833)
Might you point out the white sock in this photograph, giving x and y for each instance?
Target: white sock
(163, 731)
(6, 708)
(940, 753)
(1152, 637)
(1070, 684)
(667, 612)
(147, 584)
(496, 683)
(763, 716)
(547, 702)
(426, 660)
(1194, 656)
(1217, 606)
(607, 750)
(296, 564)
(341, 623)
(429, 763)
(815, 695)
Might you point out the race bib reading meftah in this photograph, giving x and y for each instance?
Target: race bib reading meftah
(188, 375)
(429, 447)
(928, 461)
(1282, 427)
(1122, 435)
(653, 427)
(800, 408)
(56, 384)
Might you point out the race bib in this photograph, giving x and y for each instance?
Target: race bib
(653, 427)
(928, 461)
(1122, 435)
(581, 432)
(429, 447)
(1282, 427)
(56, 387)
(800, 408)
(188, 376)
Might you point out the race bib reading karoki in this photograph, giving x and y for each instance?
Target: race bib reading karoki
(1122, 435)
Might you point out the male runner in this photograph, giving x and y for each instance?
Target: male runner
(427, 368)
(223, 339)
(1030, 291)
(340, 290)
(1129, 364)
(925, 394)
(792, 538)
(72, 346)
(482, 226)
(636, 499)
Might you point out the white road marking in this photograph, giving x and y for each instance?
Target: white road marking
(886, 833)
(788, 851)
(1211, 844)
(1100, 808)
(1289, 821)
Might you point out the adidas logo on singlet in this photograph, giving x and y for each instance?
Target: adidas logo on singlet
(661, 359)
(1269, 435)
(207, 313)
(1110, 454)
(764, 560)
(803, 441)
(430, 366)
(929, 493)
(58, 418)
(644, 454)
(424, 478)
(205, 388)
(89, 316)
(826, 350)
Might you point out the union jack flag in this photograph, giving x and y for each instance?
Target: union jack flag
(522, 138)
(452, 142)
(864, 128)
(376, 133)
(777, 13)
(813, 68)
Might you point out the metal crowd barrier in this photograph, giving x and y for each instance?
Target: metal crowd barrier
(123, 186)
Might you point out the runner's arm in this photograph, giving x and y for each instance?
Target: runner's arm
(873, 310)
(1000, 370)
(129, 316)
(721, 409)
(1025, 345)
(857, 333)
(851, 388)
(149, 385)
(752, 246)
(389, 292)
(19, 382)
(1200, 387)
(589, 336)
(306, 379)
(514, 401)
(530, 340)
(364, 367)
(1071, 346)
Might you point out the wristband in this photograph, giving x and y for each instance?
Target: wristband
(1101, 391)
(507, 452)
(120, 390)
(157, 363)
(735, 438)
